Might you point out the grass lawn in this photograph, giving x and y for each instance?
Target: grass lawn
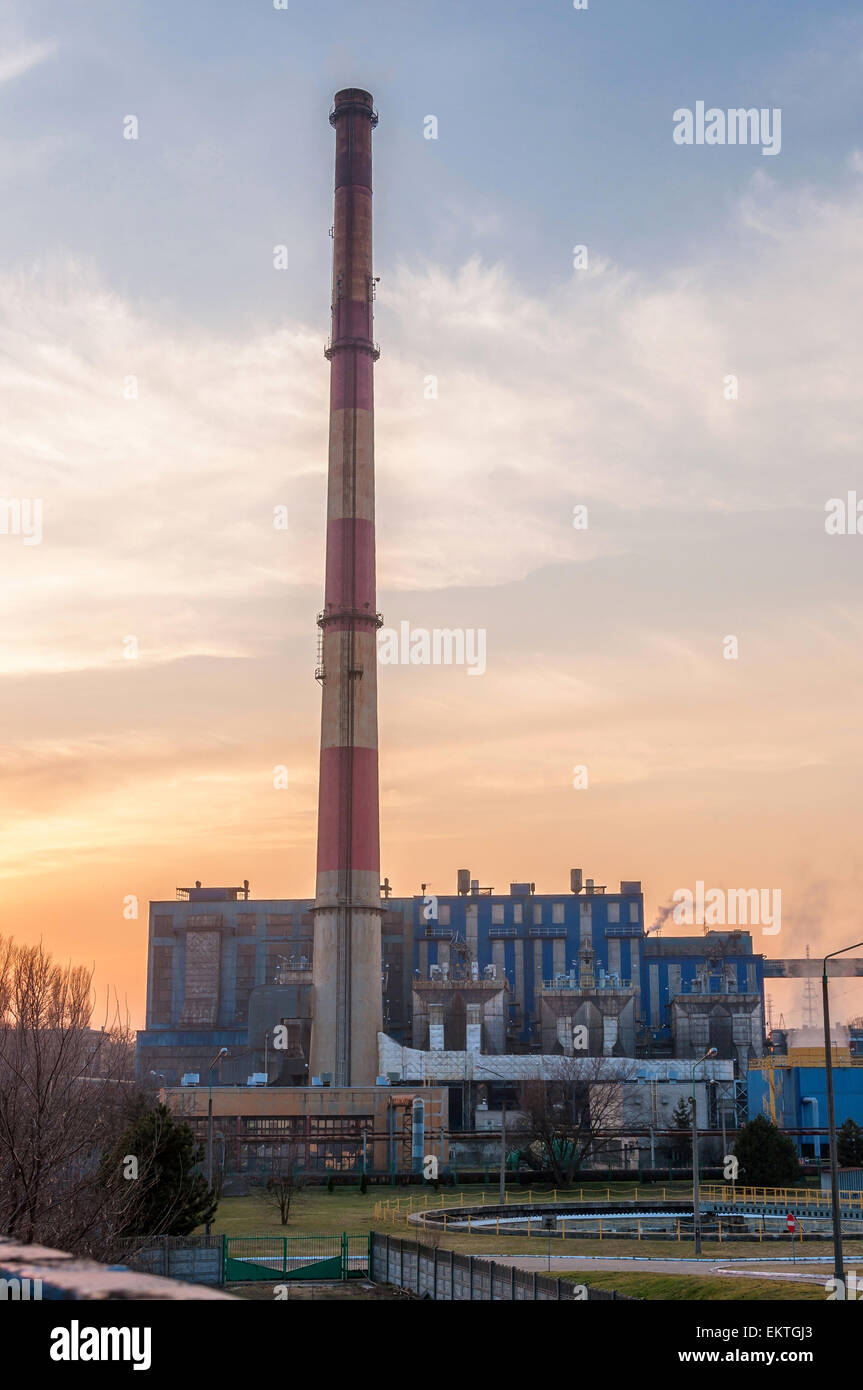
(694, 1288)
(314, 1211)
(318, 1212)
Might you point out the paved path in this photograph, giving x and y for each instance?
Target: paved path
(812, 1271)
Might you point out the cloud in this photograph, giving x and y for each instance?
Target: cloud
(608, 392)
(604, 645)
(23, 58)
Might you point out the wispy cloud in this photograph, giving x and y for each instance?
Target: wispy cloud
(15, 62)
(604, 645)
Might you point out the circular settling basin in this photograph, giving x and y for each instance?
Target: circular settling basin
(634, 1222)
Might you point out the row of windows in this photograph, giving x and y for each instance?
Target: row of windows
(263, 1158)
(558, 913)
(298, 1126)
(278, 924)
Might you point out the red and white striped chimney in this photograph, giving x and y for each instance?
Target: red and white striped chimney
(347, 934)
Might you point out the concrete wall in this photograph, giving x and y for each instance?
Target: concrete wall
(64, 1276)
(445, 1276)
(193, 1259)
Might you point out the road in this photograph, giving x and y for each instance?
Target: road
(813, 1271)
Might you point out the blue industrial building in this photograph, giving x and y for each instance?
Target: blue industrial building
(589, 940)
(224, 968)
(792, 1092)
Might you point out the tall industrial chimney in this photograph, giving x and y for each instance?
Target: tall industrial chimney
(347, 934)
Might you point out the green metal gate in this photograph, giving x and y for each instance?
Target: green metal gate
(280, 1258)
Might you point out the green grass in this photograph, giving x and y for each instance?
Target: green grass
(695, 1288)
(316, 1211)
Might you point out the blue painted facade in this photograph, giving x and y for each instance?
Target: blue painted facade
(800, 1098)
(200, 1002)
(541, 938)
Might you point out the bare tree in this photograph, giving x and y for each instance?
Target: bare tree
(569, 1116)
(282, 1185)
(64, 1086)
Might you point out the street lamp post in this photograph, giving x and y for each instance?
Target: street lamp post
(223, 1052)
(696, 1214)
(503, 1153)
(498, 1077)
(838, 1261)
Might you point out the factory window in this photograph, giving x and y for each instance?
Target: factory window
(265, 1158)
(278, 924)
(633, 912)
(340, 1124)
(614, 912)
(497, 914)
(336, 1156)
(557, 912)
(280, 961)
(160, 999)
(517, 914)
(273, 1124)
(246, 924)
(537, 914)
(245, 980)
(163, 926)
(443, 914)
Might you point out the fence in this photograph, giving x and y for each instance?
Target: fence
(398, 1210)
(194, 1259)
(307, 1257)
(446, 1276)
(235, 1259)
(57, 1276)
(728, 1213)
(790, 1198)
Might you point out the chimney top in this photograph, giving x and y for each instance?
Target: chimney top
(353, 99)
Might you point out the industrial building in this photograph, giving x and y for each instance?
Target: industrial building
(789, 1086)
(310, 1012)
(345, 1129)
(487, 972)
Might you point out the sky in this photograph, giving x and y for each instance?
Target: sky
(690, 378)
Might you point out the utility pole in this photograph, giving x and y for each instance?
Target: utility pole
(696, 1214)
(223, 1052)
(838, 1261)
(503, 1153)
(809, 1001)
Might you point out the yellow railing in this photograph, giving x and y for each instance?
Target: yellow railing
(791, 1197)
(396, 1209)
(399, 1210)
